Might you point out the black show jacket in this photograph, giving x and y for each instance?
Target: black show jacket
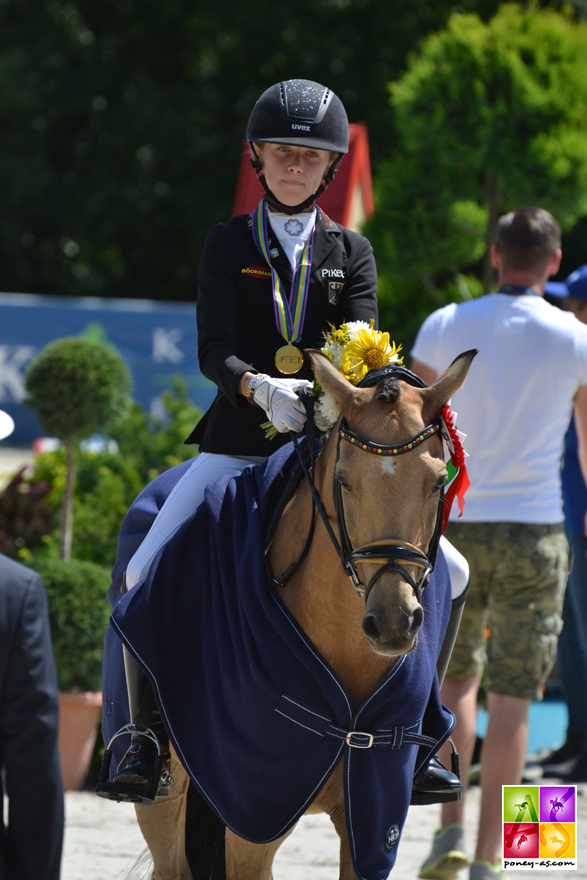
(237, 332)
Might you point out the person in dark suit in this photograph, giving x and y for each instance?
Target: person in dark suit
(30, 770)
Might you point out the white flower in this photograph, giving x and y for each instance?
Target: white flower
(336, 351)
(326, 411)
(353, 327)
(351, 348)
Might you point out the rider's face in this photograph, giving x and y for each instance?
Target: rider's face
(293, 173)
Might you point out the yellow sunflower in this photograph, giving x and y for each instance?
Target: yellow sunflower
(369, 350)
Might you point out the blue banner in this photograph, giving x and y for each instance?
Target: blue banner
(157, 340)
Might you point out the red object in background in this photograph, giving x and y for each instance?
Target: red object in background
(349, 198)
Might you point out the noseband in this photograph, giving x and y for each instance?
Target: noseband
(392, 553)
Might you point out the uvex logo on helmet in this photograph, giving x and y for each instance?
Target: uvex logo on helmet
(297, 127)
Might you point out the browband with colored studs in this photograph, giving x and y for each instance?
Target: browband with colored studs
(377, 449)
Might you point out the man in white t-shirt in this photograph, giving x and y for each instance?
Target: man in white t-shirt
(515, 407)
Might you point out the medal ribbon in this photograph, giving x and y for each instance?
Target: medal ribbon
(289, 312)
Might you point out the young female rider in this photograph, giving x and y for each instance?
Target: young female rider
(269, 285)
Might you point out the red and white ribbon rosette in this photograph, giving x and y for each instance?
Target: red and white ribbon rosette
(460, 482)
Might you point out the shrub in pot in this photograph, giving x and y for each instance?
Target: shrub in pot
(78, 614)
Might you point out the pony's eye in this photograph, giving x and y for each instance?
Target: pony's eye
(343, 483)
(440, 483)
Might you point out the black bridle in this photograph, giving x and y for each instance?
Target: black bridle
(392, 553)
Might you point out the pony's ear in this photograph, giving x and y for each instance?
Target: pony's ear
(445, 386)
(331, 379)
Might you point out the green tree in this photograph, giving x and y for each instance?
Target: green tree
(77, 387)
(123, 122)
(488, 117)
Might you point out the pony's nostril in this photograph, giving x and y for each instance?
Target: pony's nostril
(370, 626)
(417, 618)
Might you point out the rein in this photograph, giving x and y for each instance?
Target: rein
(394, 554)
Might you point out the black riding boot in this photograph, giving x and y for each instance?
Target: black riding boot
(140, 776)
(435, 784)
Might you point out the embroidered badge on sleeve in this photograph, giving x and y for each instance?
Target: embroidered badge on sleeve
(257, 272)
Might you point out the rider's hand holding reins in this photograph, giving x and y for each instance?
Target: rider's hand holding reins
(279, 400)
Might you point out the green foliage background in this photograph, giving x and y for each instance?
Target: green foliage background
(123, 122)
(123, 125)
(489, 116)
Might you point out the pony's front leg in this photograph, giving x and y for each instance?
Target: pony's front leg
(346, 870)
(250, 861)
(163, 826)
(331, 801)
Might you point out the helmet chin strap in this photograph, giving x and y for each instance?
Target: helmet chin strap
(274, 202)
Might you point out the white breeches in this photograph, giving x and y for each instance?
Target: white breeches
(458, 567)
(185, 497)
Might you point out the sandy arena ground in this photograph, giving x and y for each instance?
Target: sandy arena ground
(102, 840)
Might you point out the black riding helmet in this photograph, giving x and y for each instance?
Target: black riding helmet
(299, 112)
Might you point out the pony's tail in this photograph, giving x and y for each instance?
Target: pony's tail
(142, 868)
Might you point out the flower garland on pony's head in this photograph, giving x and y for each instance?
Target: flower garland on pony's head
(355, 349)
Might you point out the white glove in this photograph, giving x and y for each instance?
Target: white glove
(277, 397)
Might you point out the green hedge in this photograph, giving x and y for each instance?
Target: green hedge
(78, 613)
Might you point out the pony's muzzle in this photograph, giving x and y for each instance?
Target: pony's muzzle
(392, 627)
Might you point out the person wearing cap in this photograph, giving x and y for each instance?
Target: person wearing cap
(569, 762)
(251, 340)
(31, 829)
(529, 376)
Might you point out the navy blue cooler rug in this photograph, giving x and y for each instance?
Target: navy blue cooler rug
(256, 715)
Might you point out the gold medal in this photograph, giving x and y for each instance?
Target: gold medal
(289, 359)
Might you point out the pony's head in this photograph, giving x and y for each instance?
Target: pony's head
(389, 501)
